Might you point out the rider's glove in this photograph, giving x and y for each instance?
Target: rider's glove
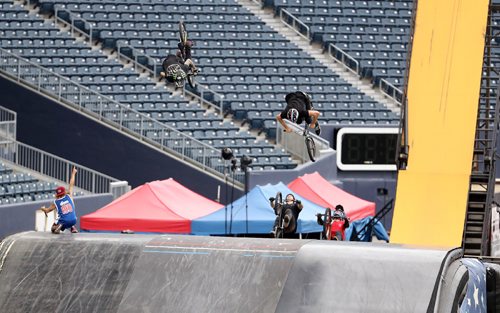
(271, 199)
(298, 202)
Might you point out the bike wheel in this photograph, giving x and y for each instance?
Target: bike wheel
(191, 81)
(327, 223)
(311, 148)
(278, 200)
(182, 32)
(337, 236)
(279, 232)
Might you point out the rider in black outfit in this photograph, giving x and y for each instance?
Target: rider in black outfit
(176, 67)
(299, 108)
(292, 209)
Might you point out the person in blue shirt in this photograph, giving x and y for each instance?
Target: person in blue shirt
(65, 208)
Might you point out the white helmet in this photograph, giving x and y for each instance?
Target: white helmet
(175, 71)
(292, 115)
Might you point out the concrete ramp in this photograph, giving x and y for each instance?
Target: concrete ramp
(41, 272)
(210, 274)
(348, 277)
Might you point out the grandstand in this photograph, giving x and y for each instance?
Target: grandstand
(374, 34)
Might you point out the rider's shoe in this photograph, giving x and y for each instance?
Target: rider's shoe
(56, 228)
(317, 129)
(74, 230)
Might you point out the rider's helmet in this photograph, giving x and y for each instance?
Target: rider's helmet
(336, 215)
(292, 115)
(289, 197)
(339, 207)
(178, 75)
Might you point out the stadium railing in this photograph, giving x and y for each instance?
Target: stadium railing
(390, 90)
(96, 105)
(290, 20)
(136, 56)
(344, 58)
(8, 124)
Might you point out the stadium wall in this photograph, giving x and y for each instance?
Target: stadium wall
(64, 132)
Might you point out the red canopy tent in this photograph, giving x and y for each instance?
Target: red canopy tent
(159, 206)
(318, 190)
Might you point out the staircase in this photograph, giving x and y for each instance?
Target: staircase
(477, 227)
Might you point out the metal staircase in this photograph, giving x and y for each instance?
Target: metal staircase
(476, 236)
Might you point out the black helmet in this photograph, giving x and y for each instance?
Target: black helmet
(292, 115)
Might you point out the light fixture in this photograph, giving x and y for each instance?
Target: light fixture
(227, 154)
(245, 161)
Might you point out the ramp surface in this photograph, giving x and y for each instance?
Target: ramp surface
(443, 93)
(41, 272)
(84, 272)
(210, 274)
(347, 277)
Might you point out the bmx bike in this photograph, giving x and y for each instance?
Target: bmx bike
(333, 226)
(183, 36)
(278, 208)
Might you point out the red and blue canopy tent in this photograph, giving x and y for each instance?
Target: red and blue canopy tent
(155, 207)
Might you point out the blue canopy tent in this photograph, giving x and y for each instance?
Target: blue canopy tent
(260, 214)
(360, 230)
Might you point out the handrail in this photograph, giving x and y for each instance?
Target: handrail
(395, 93)
(344, 57)
(112, 113)
(8, 123)
(72, 26)
(295, 145)
(53, 166)
(137, 53)
(296, 25)
(202, 99)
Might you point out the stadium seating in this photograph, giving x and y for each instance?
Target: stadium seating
(44, 44)
(375, 33)
(247, 62)
(18, 187)
(240, 56)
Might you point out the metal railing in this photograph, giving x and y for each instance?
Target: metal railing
(133, 55)
(8, 120)
(107, 110)
(71, 23)
(53, 166)
(390, 90)
(348, 61)
(296, 24)
(294, 143)
(217, 99)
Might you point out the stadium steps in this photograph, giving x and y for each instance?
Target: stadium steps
(476, 237)
(316, 51)
(111, 54)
